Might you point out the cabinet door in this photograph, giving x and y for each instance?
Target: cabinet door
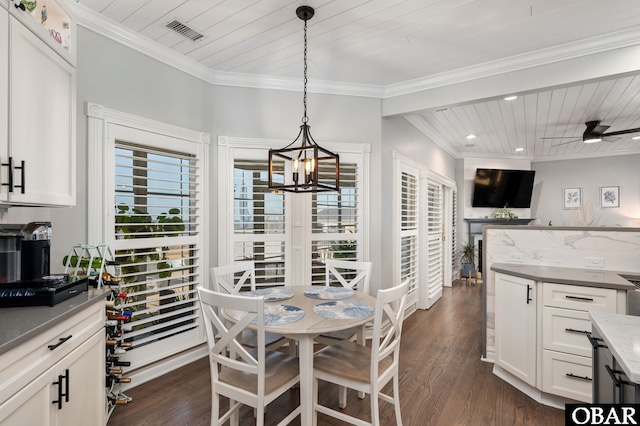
(41, 121)
(515, 326)
(4, 97)
(31, 405)
(82, 373)
(84, 368)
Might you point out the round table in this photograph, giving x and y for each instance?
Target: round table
(307, 328)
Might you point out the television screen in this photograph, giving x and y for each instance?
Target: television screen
(499, 188)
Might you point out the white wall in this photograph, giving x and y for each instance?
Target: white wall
(589, 174)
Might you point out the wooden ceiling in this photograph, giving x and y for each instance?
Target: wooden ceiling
(380, 45)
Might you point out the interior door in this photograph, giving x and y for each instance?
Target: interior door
(435, 246)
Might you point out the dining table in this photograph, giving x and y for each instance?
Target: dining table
(302, 313)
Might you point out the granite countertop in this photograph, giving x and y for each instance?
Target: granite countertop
(571, 276)
(21, 324)
(621, 333)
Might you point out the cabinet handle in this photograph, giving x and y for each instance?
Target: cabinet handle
(573, 376)
(571, 330)
(580, 298)
(595, 342)
(617, 381)
(61, 394)
(61, 341)
(59, 400)
(9, 183)
(21, 186)
(528, 294)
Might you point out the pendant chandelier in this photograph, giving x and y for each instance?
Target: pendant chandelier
(303, 165)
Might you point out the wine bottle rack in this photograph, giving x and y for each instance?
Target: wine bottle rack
(117, 318)
(89, 261)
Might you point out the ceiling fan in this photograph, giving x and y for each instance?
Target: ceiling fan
(595, 132)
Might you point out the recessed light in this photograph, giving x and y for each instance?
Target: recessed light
(510, 98)
(471, 136)
(636, 137)
(519, 149)
(593, 140)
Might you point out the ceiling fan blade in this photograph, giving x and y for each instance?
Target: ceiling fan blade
(568, 142)
(561, 137)
(610, 138)
(622, 132)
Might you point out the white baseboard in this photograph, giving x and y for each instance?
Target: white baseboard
(164, 366)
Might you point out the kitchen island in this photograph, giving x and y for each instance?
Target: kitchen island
(541, 326)
(616, 341)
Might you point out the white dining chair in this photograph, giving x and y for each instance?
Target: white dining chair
(232, 279)
(350, 274)
(367, 369)
(253, 377)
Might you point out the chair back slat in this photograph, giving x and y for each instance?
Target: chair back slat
(224, 341)
(342, 271)
(390, 304)
(233, 278)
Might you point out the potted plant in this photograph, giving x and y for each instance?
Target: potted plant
(467, 257)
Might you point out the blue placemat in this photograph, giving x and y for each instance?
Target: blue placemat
(329, 293)
(281, 314)
(343, 310)
(272, 294)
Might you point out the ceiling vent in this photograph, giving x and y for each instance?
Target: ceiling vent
(184, 30)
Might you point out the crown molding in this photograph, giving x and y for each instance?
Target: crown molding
(99, 24)
(586, 47)
(419, 124)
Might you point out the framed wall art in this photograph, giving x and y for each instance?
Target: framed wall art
(572, 198)
(609, 196)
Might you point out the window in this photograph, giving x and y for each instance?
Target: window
(154, 201)
(258, 222)
(334, 223)
(287, 235)
(409, 231)
(148, 203)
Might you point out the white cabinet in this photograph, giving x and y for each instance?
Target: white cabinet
(63, 395)
(515, 317)
(4, 92)
(57, 377)
(38, 159)
(566, 354)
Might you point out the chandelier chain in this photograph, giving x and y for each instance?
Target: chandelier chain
(305, 119)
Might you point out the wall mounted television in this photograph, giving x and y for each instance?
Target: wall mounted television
(500, 187)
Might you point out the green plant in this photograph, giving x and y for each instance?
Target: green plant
(504, 213)
(467, 253)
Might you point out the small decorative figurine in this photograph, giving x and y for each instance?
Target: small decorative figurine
(43, 14)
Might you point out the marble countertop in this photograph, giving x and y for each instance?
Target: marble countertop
(621, 333)
(571, 276)
(21, 324)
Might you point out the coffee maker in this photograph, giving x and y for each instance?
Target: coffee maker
(27, 252)
(25, 278)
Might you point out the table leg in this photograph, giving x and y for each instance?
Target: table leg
(305, 352)
(361, 339)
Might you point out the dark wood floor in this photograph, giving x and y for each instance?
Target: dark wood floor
(442, 381)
